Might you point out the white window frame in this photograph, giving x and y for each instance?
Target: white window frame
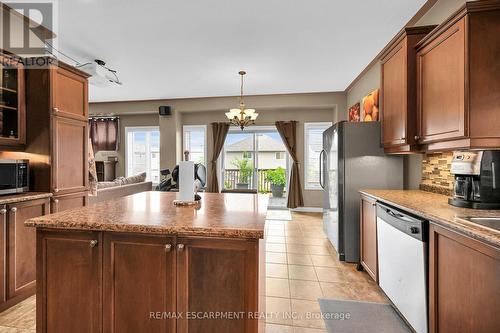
(186, 128)
(129, 129)
(307, 126)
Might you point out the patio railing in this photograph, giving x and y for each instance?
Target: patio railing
(231, 178)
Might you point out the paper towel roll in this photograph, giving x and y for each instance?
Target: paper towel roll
(186, 181)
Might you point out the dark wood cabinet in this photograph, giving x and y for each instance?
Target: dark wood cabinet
(398, 90)
(141, 269)
(69, 289)
(69, 155)
(464, 283)
(70, 93)
(3, 252)
(21, 251)
(144, 279)
(458, 91)
(57, 130)
(230, 283)
(12, 103)
(18, 250)
(69, 201)
(368, 236)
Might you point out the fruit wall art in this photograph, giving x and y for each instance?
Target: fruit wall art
(354, 112)
(370, 106)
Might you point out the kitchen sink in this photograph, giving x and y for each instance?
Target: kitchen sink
(490, 222)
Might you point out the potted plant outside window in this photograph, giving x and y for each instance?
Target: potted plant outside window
(245, 172)
(277, 178)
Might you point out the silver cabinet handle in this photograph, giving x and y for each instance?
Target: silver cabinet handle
(56, 190)
(417, 137)
(3, 211)
(168, 247)
(13, 209)
(55, 110)
(93, 243)
(180, 247)
(55, 200)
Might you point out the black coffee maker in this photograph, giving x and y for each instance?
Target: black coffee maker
(477, 179)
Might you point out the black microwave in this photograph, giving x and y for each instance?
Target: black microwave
(14, 176)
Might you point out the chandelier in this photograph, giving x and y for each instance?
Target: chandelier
(242, 117)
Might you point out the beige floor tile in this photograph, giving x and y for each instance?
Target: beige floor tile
(275, 248)
(310, 234)
(337, 291)
(330, 274)
(275, 232)
(353, 275)
(277, 287)
(318, 250)
(299, 259)
(308, 314)
(293, 233)
(5, 329)
(296, 248)
(276, 258)
(324, 261)
(275, 239)
(313, 241)
(273, 328)
(299, 272)
(295, 240)
(277, 271)
(301, 289)
(307, 330)
(278, 311)
(368, 292)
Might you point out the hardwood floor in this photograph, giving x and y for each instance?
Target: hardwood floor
(301, 266)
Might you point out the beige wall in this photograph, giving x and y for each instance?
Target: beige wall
(315, 107)
(127, 121)
(371, 81)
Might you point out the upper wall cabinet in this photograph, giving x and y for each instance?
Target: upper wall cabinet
(12, 104)
(458, 86)
(398, 93)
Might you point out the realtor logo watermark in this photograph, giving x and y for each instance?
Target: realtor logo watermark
(24, 37)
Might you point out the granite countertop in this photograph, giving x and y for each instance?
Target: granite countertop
(226, 215)
(20, 197)
(435, 208)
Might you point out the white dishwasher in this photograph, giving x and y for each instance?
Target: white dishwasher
(402, 263)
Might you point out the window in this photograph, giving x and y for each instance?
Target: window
(280, 155)
(195, 142)
(142, 148)
(247, 154)
(313, 139)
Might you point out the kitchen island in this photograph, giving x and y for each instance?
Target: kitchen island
(141, 264)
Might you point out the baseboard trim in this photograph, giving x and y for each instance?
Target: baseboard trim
(308, 209)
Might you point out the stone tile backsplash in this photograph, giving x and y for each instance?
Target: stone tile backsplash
(436, 172)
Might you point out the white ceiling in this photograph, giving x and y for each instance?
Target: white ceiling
(194, 48)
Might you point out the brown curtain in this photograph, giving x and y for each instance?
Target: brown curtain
(219, 133)
(288, 133)
(104, 133)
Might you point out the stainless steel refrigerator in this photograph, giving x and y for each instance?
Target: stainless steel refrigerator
(352, 159)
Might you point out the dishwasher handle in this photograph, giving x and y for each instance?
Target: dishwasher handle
(410, 225)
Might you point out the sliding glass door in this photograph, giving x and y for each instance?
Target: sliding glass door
(256, 159)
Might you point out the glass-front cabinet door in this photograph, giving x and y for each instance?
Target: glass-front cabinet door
(12, 105)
